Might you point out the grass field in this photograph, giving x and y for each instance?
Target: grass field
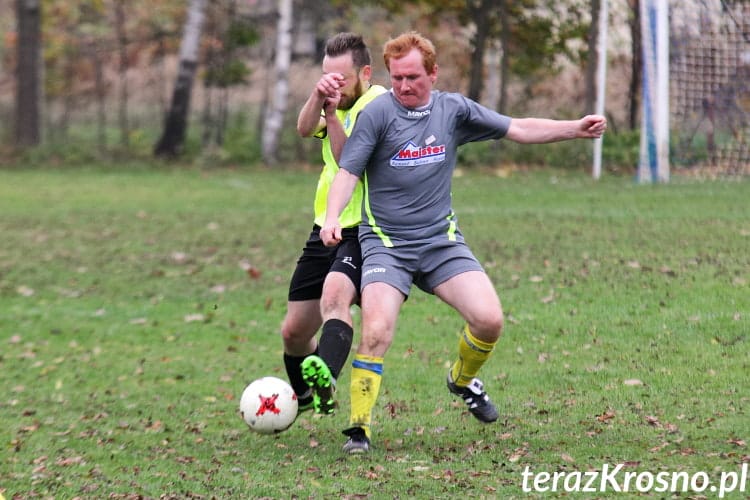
(137, 305)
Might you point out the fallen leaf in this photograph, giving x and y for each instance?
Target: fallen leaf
(632, 381)
(606, 416)
(179, 257)
(517, 454)
(667, 271)
(29, 428)
(156, 425)
(69, 461)
(652, 420)
(659, 448)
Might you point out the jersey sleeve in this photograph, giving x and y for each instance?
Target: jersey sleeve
(479, 123)
(360, 145)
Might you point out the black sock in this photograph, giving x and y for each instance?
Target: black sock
(294, 372)
(335, 344)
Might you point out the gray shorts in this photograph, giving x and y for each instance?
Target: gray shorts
(425, 263)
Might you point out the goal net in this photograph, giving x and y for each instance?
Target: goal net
(709, 85)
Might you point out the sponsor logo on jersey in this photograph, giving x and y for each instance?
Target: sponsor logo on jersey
(374, 270)
(411, 155)
(417, 114)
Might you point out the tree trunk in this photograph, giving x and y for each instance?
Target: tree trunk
(493, 57)
(122, 45)
(636, 61)
(505, 49)
(275, 115)
(175, 126)
(479, 12)
(592, 59)
(69, 99)
(28, 78)
(101, 96)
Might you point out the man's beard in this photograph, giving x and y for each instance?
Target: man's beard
(346, 102)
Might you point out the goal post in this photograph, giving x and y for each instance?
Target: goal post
(653, 164)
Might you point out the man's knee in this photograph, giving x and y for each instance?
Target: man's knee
(298, 329)
(338, 297)
(489, 326)
(336, 305)
(289, 330)
(377, 335)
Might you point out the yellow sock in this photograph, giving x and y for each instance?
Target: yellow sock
(472, 353)
(367, 371)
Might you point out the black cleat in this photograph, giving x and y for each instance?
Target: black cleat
(358, 442)
(476, 399)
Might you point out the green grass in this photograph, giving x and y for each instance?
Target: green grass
(129, 328)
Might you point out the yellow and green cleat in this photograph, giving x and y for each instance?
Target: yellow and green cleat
(317, 375)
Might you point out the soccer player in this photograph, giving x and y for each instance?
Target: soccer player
(325, 282)
(405, 146)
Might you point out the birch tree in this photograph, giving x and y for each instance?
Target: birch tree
(280, 81)
(175, 126)
(592, 59)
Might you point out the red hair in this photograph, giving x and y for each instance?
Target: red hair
(398, 47)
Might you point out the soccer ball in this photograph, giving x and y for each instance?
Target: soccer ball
(268, 405)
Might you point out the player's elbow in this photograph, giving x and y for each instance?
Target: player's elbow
(304, 131)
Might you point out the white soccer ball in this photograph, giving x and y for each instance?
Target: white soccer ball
(268, 405)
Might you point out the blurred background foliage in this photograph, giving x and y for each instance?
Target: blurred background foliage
(109, 69)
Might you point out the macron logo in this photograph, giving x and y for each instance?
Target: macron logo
(374, 270)
(417, 114)
(411, 155)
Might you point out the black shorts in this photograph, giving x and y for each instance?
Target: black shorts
(317, 260)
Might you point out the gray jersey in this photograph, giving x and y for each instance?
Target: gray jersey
(406, 159)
